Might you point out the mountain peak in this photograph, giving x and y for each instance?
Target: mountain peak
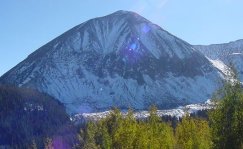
(120, 60)
(128, 16)
(124, 12)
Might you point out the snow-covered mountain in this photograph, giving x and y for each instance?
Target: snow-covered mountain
(120, 60)
(225, 55)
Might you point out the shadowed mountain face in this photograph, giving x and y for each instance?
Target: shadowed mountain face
(27, 115)
(120, 60)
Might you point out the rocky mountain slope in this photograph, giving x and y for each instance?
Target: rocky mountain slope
(120, 60)
(226, 54)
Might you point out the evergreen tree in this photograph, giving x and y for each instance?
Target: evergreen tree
(227, 118)
(90, 136)
(48, 143)
(142, 138)
(81, 140)
(103, 138)
(126, 132)
(33, 145)
(193, 134)
(160, 134)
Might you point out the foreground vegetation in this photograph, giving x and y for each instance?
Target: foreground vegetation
(32, 120)
(124, 132)
(222, 129)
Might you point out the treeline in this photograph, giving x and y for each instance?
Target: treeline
(124, 132)
(223, 129)
(29, 119)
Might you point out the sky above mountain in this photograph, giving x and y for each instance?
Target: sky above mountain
(27, 25)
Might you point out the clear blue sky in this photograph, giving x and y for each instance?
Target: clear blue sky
(25, 25)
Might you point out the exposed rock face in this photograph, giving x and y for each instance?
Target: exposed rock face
(120, 60)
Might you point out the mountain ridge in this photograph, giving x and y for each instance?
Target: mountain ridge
(224, 43)
(228, 54)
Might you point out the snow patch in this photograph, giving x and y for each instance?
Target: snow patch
(177, 112)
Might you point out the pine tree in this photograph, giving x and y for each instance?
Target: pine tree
(103, 138)
(227, 118)
(81, 140)
(193, 133)
(48, 143)
(160, 134)
(90, 136)
(142, 138)
(33, 145)
(126, 132)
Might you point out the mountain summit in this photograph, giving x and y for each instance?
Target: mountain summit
(120, 60)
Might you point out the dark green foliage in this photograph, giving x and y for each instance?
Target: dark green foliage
(227, 119)
(27, 116)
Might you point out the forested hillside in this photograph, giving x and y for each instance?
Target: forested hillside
(29, 117)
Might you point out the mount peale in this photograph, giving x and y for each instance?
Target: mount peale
(120, 60)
